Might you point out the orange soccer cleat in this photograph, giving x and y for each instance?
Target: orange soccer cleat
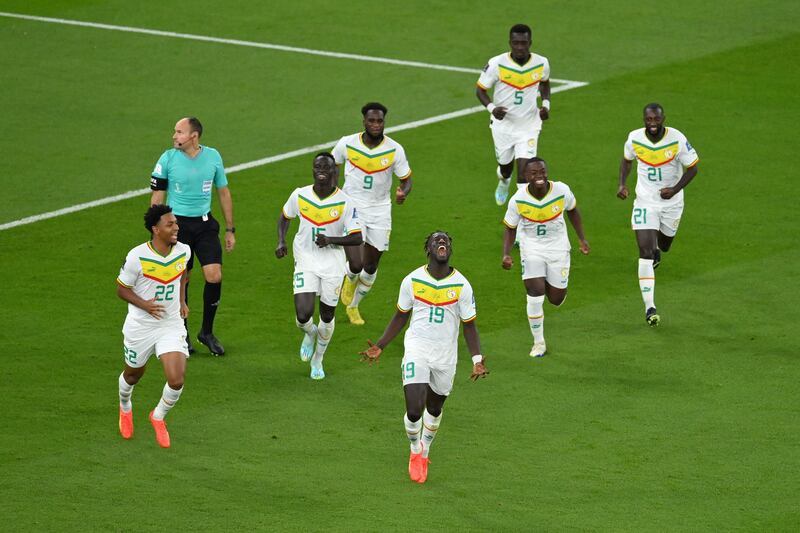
(418, 467)
(162, 435)
(126, 423)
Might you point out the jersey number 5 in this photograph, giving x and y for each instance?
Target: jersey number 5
(518, 97)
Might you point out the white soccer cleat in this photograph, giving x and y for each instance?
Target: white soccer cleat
(317, 372)
(539, 349)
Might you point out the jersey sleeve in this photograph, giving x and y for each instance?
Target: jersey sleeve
(546, 70)
(627, 150)
(511, 219)
(220, 179)
(160, 171)
(290, 207)
(401, 168)
(340, 151)
(686, 154)
(129, 271)
(466, 304)
(351, 222)
(570, 202)
(489, 76)
(405, 300)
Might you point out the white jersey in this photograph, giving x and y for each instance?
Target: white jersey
(333, 216)
(152, 275)
(437, 307)
(516, 88)
(660, 164)
(368, 171)
(539, 223)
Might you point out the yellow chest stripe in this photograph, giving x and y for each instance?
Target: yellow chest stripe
(521, 79)
(163, 272)
(436, 295)
(655, 156)
(370, 163)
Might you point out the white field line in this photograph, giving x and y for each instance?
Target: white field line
(251, 44)
(565, 85)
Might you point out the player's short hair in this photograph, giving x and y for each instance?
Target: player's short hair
(374, 106)
(428, 239)
(327, 155)
(154, 214)
(195, 125)
(520, 28)
(654, 106)
(535, 160)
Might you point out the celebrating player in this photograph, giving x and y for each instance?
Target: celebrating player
(438, 297)
(537, 213)
(370, 159)
(666, 164)
(327, 222)
(153, 282)
(518, 78)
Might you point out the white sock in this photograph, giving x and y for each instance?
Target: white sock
(308, 328)
(324, 334)
(536, 317)
(365, 282)
(125, 392)
(349, 273)
(169, 397)
(647, 283)
(413, 430)
(430, 425)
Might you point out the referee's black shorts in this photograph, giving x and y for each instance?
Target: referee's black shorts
(202, 236)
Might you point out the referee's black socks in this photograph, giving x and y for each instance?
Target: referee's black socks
(211, 296)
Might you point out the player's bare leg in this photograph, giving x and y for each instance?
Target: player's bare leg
(647, 240)
(304, 311)
(503, 181)
(664, 244)
(174, 364)
(127, 380)
(371, 257)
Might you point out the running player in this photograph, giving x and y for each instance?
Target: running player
(370, 159)
(327, 222)
(537, 212)
(436, 297)
(518, 78)
(666, 165)
(153, 282)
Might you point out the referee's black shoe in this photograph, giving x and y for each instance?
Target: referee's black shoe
(212, 342)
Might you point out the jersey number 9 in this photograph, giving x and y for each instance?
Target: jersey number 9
(367, 182)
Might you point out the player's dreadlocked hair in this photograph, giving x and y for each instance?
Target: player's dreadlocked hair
(154, 214)
(428, 239)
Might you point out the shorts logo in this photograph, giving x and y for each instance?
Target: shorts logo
(564, 272)
(334, 213)
(531, 142)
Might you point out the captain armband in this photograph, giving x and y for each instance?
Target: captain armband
(158, 184)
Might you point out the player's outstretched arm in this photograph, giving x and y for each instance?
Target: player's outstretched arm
(474, 344)
(396, 325)
(575, 218)
(624, 170)
(283, 227)
(509, 235)
(154, 309)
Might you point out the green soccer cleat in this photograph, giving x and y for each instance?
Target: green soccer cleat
(652, 318)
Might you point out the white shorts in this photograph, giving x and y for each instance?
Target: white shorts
(429, 364)
(664, 218)
(376, 225)
(140, 342)
(553, 266)
(515, 144)
(327, 287)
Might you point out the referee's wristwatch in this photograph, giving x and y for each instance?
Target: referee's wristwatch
(230, 230)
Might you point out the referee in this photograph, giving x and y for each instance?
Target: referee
(188, 172)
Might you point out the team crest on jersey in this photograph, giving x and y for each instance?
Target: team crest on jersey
(451, 293)
(334, 213)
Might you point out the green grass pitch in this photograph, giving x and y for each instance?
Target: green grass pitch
(693, 426)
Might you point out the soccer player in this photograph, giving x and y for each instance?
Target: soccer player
(188, 172)
(328, 222)
(518, 78)
(436, 297)
(153, 282)
(370, 158)
(666, 165)
(537, 213)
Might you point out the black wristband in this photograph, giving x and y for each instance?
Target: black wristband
(230, 230)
